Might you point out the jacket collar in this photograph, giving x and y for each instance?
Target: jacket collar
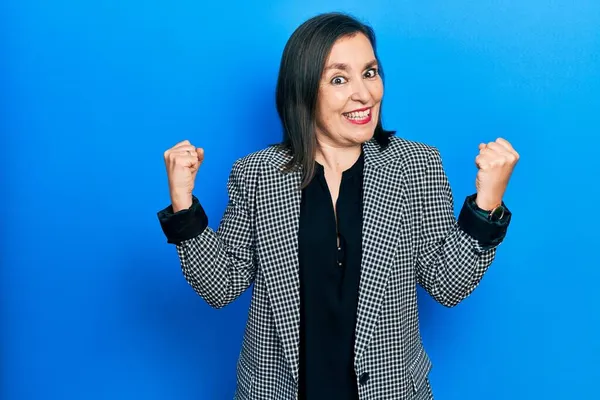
(375, 156)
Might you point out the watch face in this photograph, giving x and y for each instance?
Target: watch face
(497, 213)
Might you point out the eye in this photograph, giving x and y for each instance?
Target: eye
(338, 80)
(371, 73)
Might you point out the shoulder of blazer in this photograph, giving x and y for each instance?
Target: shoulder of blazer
(247, 170)
(408, 155)
(273, 156)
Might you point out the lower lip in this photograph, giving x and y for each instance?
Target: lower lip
(360, 121)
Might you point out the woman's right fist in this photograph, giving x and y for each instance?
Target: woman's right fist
(182, 161)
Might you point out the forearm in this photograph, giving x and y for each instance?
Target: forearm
(217, 273)
(451, 271)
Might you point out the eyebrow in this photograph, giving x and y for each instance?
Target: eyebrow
(345, 67)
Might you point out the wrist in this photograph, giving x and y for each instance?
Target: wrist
(181, 201)
(487, 204)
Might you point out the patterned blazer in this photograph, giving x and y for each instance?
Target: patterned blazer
(410, 237)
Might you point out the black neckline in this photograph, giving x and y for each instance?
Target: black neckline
(353, 170)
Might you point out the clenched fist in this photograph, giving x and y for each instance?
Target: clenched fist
(182, 161)
(496, 161)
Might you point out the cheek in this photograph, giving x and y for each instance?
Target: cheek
(377, 90)
(337, 101)
(334, 97)
(331, 104)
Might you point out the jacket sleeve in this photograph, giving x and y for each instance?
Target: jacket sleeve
(219, 265)
(454, 253)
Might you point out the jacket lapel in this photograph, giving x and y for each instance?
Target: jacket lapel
(278, 217)
(384, 190)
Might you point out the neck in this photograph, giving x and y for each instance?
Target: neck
(337, 158)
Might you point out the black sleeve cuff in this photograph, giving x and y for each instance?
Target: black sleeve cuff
(475, 223)
(184, 224)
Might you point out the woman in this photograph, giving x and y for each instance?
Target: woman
(335, 227)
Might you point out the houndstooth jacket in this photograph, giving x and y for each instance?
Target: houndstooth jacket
(410, 237)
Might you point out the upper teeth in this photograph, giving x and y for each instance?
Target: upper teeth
(358, 114)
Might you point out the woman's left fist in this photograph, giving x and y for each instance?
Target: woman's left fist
(496, 161)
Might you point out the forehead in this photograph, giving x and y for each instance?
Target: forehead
(351, 49)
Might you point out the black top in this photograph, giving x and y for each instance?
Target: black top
(329, 278)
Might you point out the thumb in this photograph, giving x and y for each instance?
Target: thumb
(200, 154)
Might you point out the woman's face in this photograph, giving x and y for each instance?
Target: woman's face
(350, 93)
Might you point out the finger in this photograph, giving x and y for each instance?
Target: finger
(182, 143)
(200, 154)
(497, 148)
(482, 146)
(184, 148)
(179, 155)
(501, 161)
(506, 144)
(182, 158)
(486, 150)
(502, 154)
(181, 147)
(194, 164)
(482, 161)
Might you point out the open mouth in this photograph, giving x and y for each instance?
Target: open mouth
(359, 117)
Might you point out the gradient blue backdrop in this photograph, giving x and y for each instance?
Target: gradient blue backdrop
(94, 305)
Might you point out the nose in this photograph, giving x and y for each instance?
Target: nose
(360, 91)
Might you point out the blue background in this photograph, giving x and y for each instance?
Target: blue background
(94, 305)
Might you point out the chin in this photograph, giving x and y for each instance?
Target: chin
(361, 136)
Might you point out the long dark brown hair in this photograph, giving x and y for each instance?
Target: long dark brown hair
(300, 72)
